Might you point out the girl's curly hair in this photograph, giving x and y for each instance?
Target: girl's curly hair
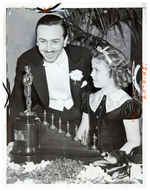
(120, 67)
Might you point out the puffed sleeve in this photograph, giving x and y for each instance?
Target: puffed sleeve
(131, 109)
(85, 102)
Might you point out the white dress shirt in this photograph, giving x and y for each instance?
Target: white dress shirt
(57, 74)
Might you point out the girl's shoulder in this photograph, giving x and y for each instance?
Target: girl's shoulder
(116, 99)
(125, 106)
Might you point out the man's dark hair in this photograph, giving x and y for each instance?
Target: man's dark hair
(52, 20)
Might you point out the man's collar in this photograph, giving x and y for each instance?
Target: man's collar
(62, 57)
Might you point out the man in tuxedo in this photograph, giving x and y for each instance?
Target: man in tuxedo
(60, 72)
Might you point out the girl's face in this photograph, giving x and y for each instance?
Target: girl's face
(100, 73)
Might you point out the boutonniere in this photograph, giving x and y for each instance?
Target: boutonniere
(76, 75)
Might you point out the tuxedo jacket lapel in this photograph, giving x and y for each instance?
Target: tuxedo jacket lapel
(71, 64)
(74, 86)
(40, 83)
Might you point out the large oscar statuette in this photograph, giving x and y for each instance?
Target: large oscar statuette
(26, 127)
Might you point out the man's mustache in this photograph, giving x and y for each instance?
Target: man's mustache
(49, 51)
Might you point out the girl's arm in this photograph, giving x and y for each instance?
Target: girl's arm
(133, 139)
(84, 126)
(132, 134)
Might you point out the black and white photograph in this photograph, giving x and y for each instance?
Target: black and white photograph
(76, 85)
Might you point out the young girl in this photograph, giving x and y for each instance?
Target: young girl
(110, 114)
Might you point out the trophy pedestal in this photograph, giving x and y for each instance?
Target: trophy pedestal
(26, 139)
(53, 145)
(21, 159)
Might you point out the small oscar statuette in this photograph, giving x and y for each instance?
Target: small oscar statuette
(27, 81)
(26, 127)
(60, 129)
(45, 123)
(68, 133)
(94, 142)
(52, 122)
(76, 137)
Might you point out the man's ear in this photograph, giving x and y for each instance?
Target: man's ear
(65, 41)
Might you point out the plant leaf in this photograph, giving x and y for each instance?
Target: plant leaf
(121, 31)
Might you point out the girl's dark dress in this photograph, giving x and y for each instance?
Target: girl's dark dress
(108, 126)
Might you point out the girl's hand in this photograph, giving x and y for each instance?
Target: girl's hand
(84, 127)
(115, 158)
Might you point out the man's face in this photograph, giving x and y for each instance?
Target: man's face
(50, 41)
